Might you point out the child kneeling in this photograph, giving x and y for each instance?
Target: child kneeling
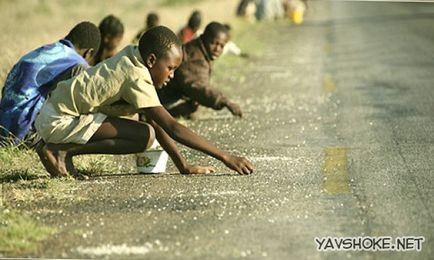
(82, 114)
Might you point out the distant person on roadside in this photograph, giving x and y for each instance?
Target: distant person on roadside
(151, 21)
(242, 7)
(191, 84)
(247, 10)
(112, 32)
(190, 31)
(36, 74)
(231, 48)
(269, 9)
(295, 10)
(82, 115)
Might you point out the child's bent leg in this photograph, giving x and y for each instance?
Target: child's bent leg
(114, 136)
(130, 136)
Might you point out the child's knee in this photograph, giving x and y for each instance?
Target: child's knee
(150, 134)
(142, 135)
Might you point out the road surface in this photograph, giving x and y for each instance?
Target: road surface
(339, 122)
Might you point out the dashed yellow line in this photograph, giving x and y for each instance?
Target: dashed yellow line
(335, 171)
(328, 48)
(329, 84)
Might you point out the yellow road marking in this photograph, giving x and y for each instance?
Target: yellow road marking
(329, 84)
(328, 48)
(335, 171)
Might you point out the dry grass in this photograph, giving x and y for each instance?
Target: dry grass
(28, 24)
(19, 164)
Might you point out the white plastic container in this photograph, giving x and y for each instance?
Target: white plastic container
(153, 160)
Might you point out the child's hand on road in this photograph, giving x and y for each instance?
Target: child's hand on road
(197, 169)
(239, 164)
(235, 109)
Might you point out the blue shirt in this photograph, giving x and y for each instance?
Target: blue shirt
(27, 86)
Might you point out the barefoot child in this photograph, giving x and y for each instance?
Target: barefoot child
(81, 115)
(36, 74)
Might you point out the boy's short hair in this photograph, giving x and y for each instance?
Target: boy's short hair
(212, 29)
(111, 25)
(157, 40)
(85, 35)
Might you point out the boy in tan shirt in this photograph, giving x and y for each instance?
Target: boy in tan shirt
(82, 115)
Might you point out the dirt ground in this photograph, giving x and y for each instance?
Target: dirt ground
(28, 24)
(337, 121)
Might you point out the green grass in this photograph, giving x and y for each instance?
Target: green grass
(19, 164)
(99, 164)
(52, 190)
(23, 164)
(24, 179)
(20, 234)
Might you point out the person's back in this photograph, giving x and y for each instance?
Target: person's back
(269, 9)
(103, 86)
(35, 75)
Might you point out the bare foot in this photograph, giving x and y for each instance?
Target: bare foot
(41, 150)
(52, 159)
(71, 169)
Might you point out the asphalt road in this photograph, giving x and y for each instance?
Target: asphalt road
(339, 124)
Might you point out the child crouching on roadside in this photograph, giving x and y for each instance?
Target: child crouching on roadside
(82, 114)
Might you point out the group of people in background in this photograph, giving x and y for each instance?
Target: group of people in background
(190, 86)
(272, 9)
(79, 95)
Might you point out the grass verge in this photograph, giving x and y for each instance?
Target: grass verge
(20, 234)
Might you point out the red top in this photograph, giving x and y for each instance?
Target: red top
(186, 34)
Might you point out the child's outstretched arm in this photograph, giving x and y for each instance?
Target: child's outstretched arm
(185, 136)
(170, 147)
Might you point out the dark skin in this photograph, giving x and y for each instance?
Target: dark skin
(111, 44)
(50, 157)
(114, 136)
(86, 53)
(109, 48)
(122, 136)
(215, 47)
(168, 129)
